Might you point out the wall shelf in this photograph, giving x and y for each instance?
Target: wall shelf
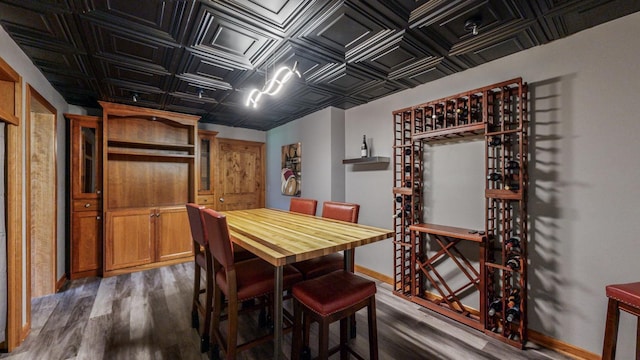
(367, 160)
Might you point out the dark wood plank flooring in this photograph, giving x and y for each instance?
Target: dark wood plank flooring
(146, 315)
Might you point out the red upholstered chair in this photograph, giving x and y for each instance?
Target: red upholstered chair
(303, 206)
(202, 261)
(329, 298)
(238, 281)
(323, 265)
(624, 297)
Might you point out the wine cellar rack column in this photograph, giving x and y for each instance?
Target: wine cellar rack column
(407, 167)
(499, 113)
(506, 217)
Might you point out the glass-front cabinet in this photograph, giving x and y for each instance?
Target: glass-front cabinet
(85, 152)
(206, 158)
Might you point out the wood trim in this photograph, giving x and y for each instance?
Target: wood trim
(14, 225)
(8, 75)
(61, 282)
(374, 274)
(534, 336)
(24, 332)
(154, 265)
(560, 346)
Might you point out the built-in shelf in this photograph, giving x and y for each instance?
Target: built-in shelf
(367, 160)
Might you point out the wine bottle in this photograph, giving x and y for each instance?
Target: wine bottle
(398, 199)
(513, 186)
(513, 262)
(513, 245)
(364, 151)
(495, 306)
(495, 176)
(513, 313)
(439, 118)
(407, 151)
(512, 165)
(495, 141)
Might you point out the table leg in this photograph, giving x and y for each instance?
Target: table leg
(277, 313)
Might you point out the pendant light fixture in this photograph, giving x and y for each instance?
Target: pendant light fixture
(273, 86)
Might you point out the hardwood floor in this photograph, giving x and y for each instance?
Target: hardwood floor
(146, 315)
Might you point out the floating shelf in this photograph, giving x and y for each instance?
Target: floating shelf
(367, 160)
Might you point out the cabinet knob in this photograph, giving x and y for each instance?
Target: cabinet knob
(97, 217)
(222, 199)
(87, 205)
(98, 192)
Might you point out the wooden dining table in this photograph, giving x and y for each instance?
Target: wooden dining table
(282, 237)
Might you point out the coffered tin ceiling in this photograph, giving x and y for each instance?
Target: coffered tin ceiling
(348, 52)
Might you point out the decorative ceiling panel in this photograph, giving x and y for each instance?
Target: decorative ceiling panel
(204, 57)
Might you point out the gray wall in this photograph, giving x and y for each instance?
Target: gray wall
(322, 138)
(585, 168)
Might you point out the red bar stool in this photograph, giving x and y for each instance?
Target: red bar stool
(325, 264)
(329, 298)
(202, 261)
(303, 206)
(621, 297)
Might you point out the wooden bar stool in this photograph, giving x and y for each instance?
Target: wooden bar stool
(621, 297)
(329, 298)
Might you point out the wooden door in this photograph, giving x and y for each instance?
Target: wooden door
(173, 234)
(41, 195)
(86, 243)
(241, 175)
(129, 236)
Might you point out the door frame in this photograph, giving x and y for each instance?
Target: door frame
(31, 93)
(13, 134)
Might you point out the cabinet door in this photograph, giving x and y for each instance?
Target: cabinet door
(129, 238)
(86, 244)
(86, 157)
(173, 234)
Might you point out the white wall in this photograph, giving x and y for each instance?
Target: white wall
(584, 173)
(321, 135)
(228, 132)
(19, 61)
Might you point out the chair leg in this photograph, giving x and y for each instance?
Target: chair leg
(195, 323)
(296, 342)
(204, 342)
(638, 339)
(344, 354)
(373, 329)
(232, 318)
(215, 323)
(323, 341)
(611, 330)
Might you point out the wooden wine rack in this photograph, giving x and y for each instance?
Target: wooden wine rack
(499, 112)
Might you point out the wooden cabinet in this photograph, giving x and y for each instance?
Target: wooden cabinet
(86, 195)
(145, 236)
(149, 175)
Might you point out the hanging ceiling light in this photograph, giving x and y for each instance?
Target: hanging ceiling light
(274, 85)
(200, 92)
(135, 97)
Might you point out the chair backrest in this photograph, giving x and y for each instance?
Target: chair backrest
(303, 206)
(215, 226)
(195, 222)
(340, 211)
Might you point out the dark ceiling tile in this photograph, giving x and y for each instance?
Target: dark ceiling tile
(166, 20)
(348, 52)
(231, 38)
